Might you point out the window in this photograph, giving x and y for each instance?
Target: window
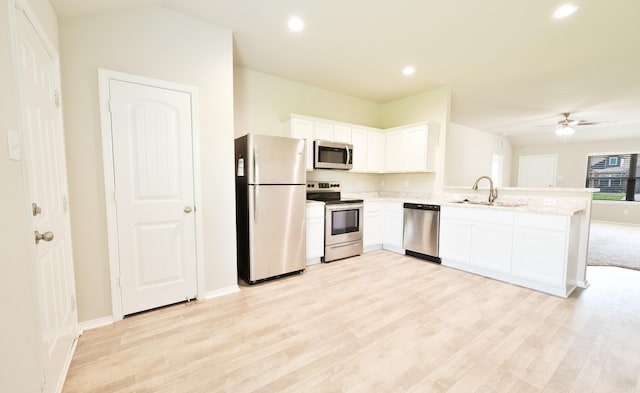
(614, 161)
(616, 175)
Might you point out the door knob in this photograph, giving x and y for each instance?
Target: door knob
(188, 209)
(47, 236)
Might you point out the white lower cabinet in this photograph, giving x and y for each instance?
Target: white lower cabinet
(393, 226)
(315, 232)
(491, 246)
(534, 250)
(541, 247)
(373, 224)
(476, 238)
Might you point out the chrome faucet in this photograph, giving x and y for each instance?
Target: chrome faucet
(493, 192)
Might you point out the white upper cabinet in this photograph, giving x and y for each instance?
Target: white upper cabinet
(323, 131)
(411, 148)
(402, 149)
(375, 151)
(360, 149)
(302, 129)
(342, 134)
(395, 151)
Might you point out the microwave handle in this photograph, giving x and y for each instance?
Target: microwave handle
(348, 154)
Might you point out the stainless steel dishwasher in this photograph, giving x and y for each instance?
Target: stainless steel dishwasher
(422, 231)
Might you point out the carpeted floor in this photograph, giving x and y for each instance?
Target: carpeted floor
(614, 245)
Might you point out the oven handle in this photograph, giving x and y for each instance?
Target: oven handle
(345, 206)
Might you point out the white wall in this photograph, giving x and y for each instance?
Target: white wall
(470, 153)
(158, 43)
(263, 102)
(572, 172)
(19, 330)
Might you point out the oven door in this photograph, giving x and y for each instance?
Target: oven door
(343, 223)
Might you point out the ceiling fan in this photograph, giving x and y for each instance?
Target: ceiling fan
(565, 126)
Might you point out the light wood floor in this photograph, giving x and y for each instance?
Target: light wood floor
(381, 322)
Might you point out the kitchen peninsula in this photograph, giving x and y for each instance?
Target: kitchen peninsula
(532, 237)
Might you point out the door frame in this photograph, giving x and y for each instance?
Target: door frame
(104, 77)
(555, 166)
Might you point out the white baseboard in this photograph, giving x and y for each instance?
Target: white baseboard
(373, 247)
(313, 261)
(631, 224)
(221, 292)
(583, 284)
(395, 249)
(95, 323)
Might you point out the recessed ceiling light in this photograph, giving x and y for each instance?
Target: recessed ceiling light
(296, 24)
(408, 70)
(565, 10)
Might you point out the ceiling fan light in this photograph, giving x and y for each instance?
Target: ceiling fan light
(565, 10)
(565, 131)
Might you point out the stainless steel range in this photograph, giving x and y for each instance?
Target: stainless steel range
(343, 220)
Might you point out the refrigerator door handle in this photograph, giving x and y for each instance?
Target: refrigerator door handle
(256, 172)
(256, 166)
(255, 204)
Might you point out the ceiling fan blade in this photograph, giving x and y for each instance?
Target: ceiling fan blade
(587, 123)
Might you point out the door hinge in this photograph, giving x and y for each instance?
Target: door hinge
(65, 203)
(56, 99)
(73, 302)
(119, 283)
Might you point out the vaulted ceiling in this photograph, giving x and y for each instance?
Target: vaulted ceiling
(513, 69)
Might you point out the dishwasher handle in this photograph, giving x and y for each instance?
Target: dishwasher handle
(421, 206)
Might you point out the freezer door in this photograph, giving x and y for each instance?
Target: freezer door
(277, 238)
(276, 160)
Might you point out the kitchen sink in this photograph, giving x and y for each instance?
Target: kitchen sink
(486, 203)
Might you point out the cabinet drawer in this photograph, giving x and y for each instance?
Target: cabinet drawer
(315, 211)
(372, 207)
(542, 221)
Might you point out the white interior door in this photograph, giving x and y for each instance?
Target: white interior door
(47, 184)
(154, 183)
(537, 171)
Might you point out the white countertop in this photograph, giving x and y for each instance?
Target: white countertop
(559, 209)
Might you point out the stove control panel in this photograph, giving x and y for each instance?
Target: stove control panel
(320, 186)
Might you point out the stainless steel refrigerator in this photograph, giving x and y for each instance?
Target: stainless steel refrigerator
(270, 206)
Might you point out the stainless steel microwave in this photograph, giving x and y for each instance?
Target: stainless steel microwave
(332, 155)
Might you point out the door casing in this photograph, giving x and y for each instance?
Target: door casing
(104, 76)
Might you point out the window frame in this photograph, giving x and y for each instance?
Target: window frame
(623, 183)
